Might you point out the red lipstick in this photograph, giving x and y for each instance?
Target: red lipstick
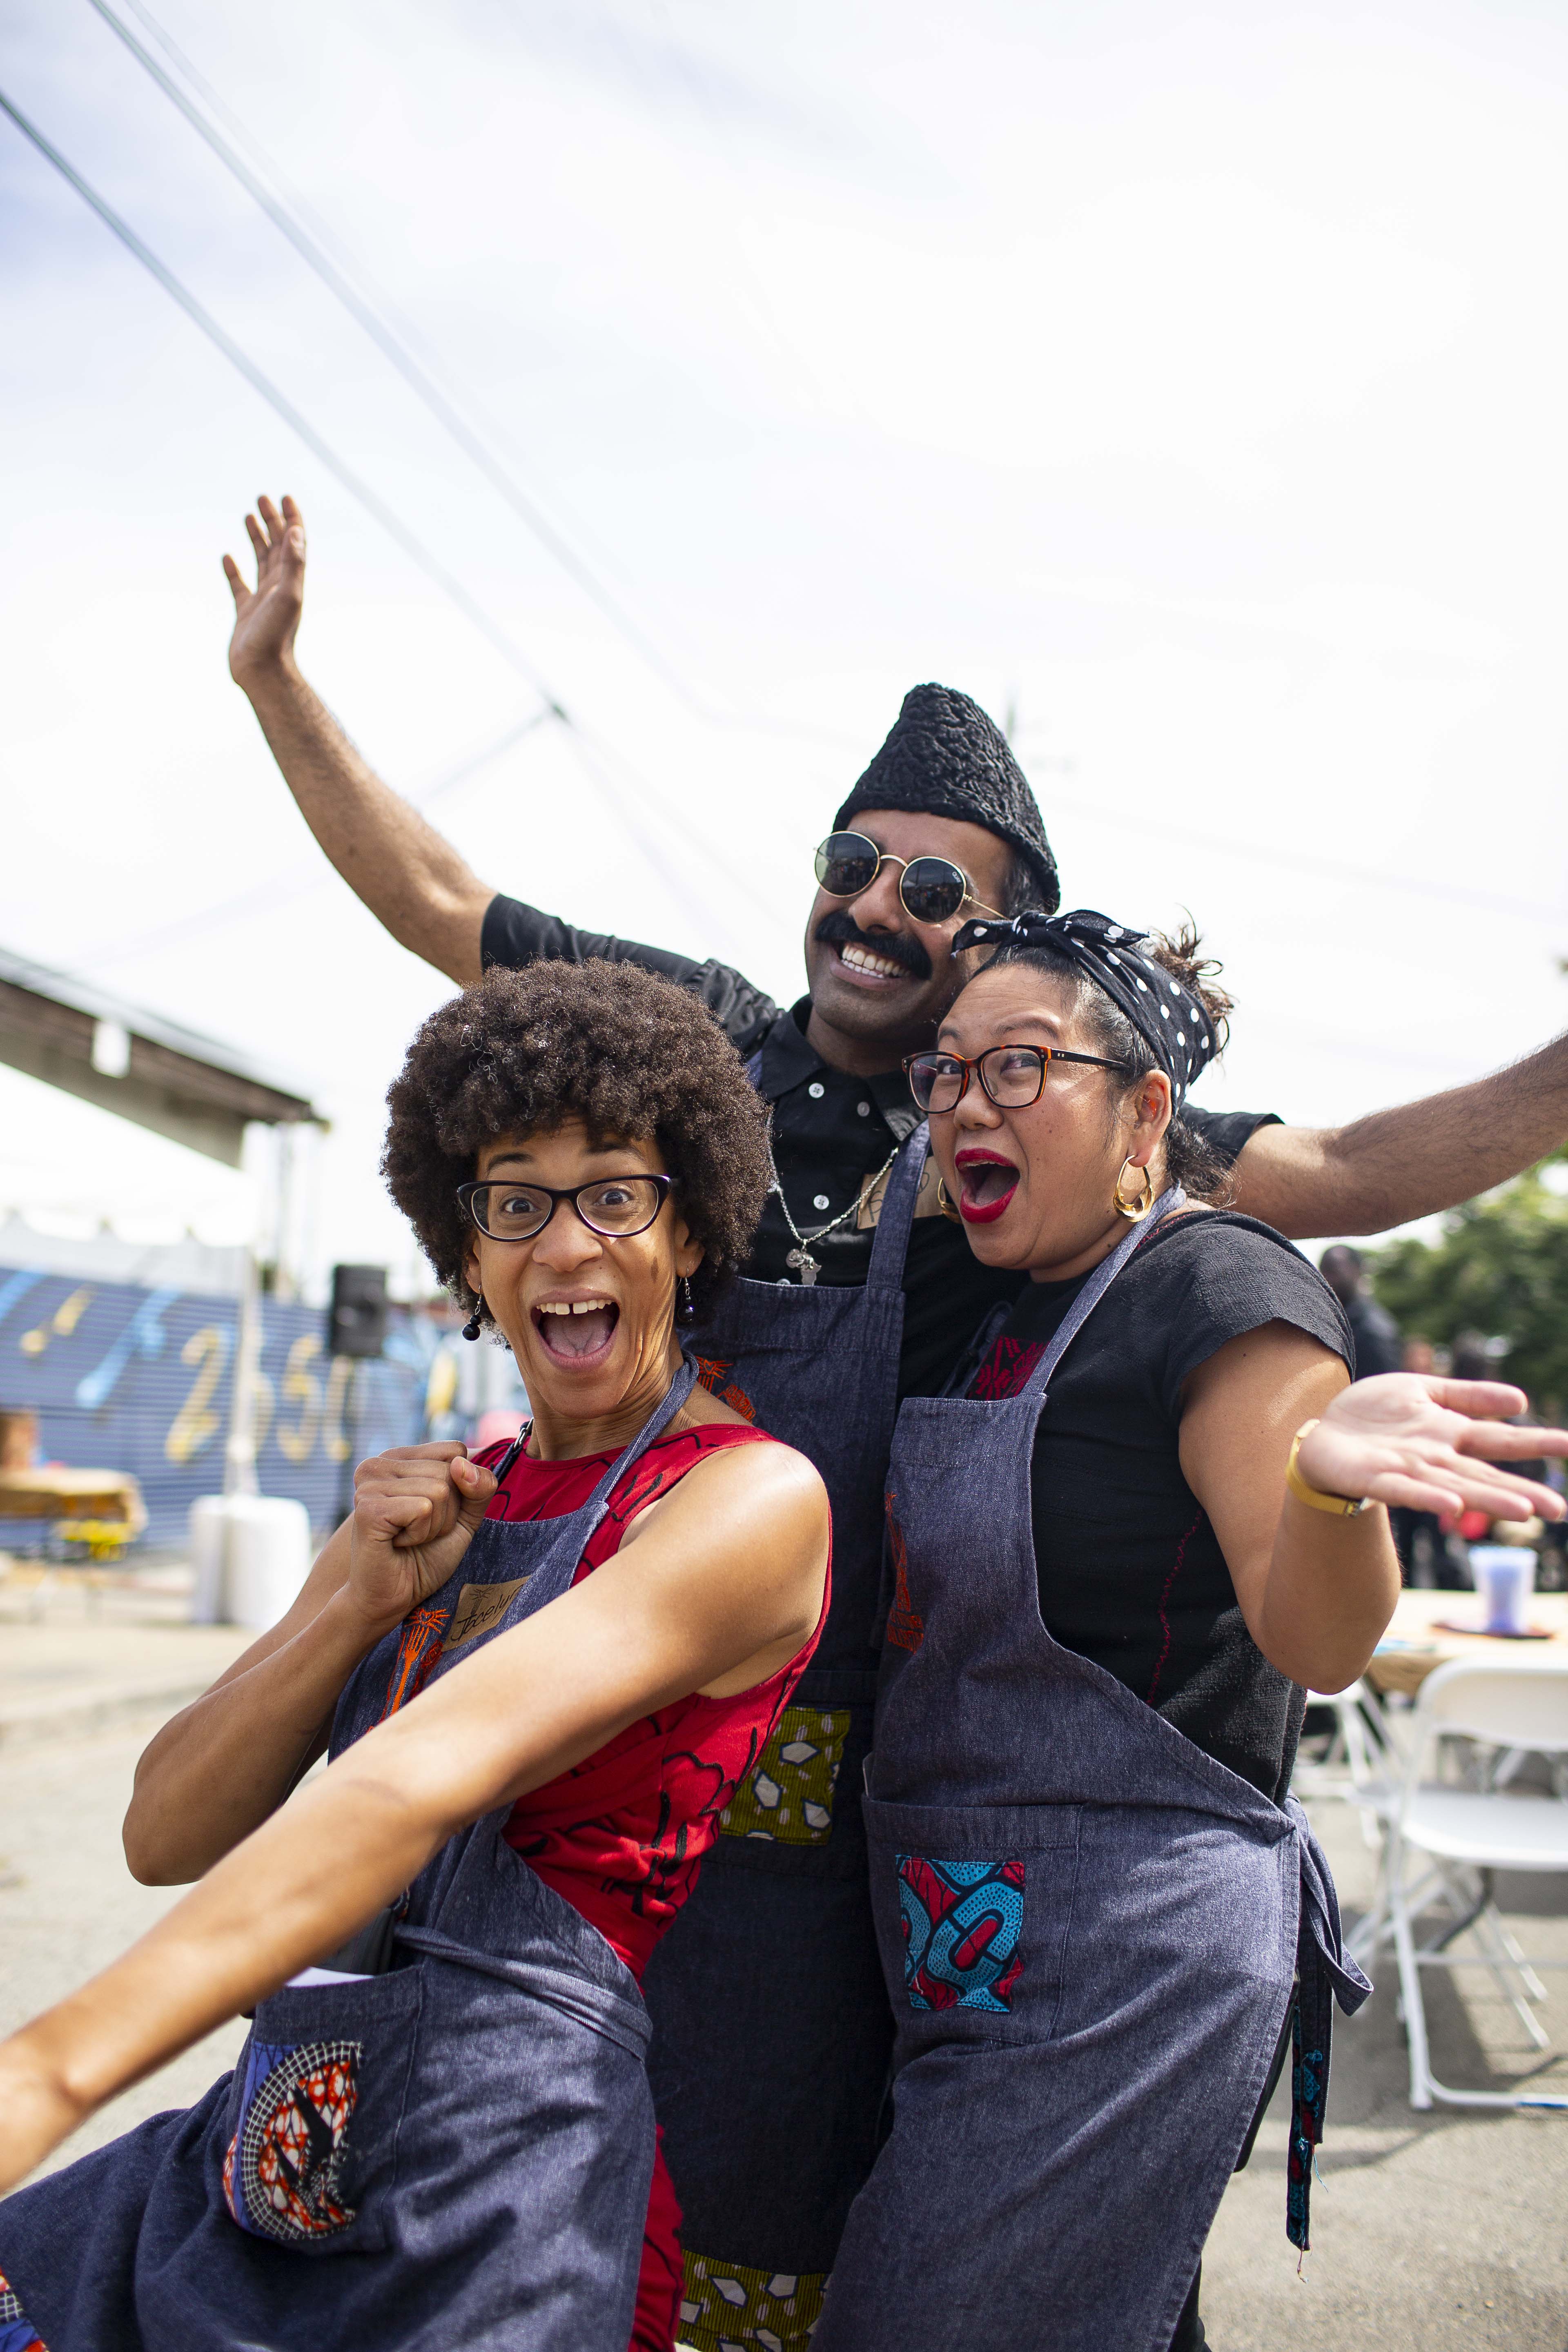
(983, 1212)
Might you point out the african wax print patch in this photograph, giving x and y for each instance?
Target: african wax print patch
(960, 1922)
(725, 2307)
(282, 2173)
(787, 1796)
(16, 2331)
(716, 1377)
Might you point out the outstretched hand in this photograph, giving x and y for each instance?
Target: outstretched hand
(416, 1509)
(266, 617)
(1430, 1445)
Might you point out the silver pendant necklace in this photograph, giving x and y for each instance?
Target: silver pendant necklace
(800, 1258)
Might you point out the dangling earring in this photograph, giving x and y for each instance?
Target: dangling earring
(945, 1204)
(688, 1304)
(1134, 1211)
(473, 1327)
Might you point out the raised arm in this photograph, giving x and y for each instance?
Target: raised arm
(413, 881)
(1407, 1162)
(725, 1573)
(1317, 1588)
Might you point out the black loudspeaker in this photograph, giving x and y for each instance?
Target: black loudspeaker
(358, 1326)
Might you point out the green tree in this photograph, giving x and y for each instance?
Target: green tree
(1501, 1267)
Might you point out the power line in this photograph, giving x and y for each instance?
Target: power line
(338, 282)
(626, 809)
(390, 521)
(1332, 869)
(265, 898)
(390, 348)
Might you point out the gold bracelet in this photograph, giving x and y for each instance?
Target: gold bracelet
(1342, 1506)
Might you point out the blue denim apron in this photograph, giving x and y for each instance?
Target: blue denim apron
(1090, 1931)
(456, 2151)
(771, 2034)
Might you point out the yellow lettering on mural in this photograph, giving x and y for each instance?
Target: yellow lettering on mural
(301, 1387)
(195, 1423)
(263, 1400)
(60, 1325)
(334, 1443)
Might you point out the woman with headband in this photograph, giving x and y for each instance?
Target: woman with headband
(544, 1675)
(1151, 1517)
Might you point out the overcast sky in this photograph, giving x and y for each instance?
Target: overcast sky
(1189, 385)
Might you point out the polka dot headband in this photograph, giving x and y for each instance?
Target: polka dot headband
(1169, 1018)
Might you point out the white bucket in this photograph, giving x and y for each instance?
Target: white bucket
(206, 1527)
(252, 1554)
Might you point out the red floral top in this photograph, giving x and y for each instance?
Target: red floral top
(622, 1834)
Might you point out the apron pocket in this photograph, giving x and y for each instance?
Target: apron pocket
(316, 2111)
(973, 1914)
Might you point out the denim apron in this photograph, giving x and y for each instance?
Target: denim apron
(1090, 1931)
(455, 2150)
(771, 2035)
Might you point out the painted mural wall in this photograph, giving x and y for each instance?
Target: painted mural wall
(126, 1378)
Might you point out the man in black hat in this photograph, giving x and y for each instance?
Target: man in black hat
(944, 785)
(772, 2032)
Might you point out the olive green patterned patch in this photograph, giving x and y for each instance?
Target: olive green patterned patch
(727, 2309)
(788, 1794)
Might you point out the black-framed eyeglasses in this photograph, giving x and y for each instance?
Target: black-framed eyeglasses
(932, 888)
(613, 1206)
(1013, 1075)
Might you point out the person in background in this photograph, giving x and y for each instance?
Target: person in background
(1428, 1555)
(1378, 1347)
(772, 2032)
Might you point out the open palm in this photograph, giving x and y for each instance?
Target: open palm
(266, 617)
(1430, 1445)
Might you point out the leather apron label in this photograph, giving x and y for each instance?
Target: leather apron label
(480, 1608)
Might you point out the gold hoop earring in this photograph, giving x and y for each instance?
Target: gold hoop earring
(945, 1204)
(1134, 1211)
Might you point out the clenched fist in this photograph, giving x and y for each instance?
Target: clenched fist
(416, 1509)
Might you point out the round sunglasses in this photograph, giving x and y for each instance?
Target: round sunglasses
(932, 888)
(615, 1207)
(1013, 1075)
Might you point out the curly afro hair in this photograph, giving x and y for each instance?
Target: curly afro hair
(626, 1053)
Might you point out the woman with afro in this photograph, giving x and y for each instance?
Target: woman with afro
(541, 1675)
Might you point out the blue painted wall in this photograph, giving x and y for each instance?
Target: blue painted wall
(127, 1379)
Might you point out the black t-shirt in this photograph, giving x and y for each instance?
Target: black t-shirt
(1130, 1572)
(833, 1135)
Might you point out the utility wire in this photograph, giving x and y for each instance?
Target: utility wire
(394, 349)
(1332, 869)
(390, 521)
(625, 808)
(265, 898)
(397, 353)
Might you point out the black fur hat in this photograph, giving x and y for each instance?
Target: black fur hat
(945, 756)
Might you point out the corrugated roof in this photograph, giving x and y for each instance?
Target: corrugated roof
(194, 1089)
(82, 996)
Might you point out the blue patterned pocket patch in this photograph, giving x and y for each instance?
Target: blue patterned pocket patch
(960, 1922)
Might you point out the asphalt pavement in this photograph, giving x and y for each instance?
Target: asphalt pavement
(1437, 2232)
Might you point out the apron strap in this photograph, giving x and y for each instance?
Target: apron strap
(1094, 1290)
(656, 1425)
(891, 1240)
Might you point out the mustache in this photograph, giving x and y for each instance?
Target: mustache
(838, 928)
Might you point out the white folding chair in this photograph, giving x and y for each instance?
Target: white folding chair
(1464, 1835)
(1363, 1764)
